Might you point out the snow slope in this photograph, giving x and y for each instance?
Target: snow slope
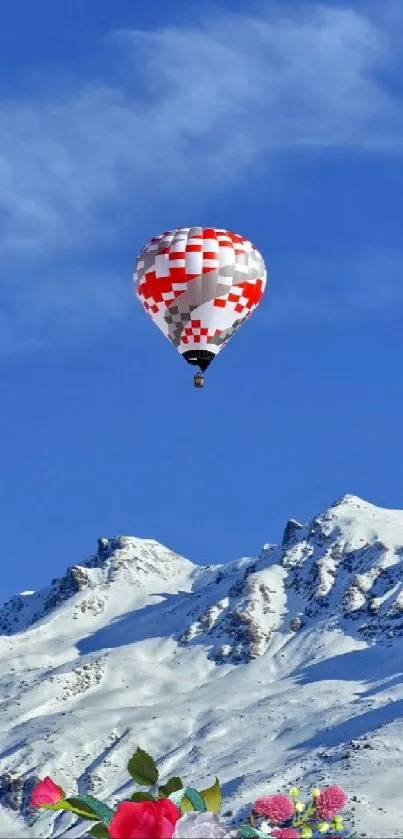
(139, 646)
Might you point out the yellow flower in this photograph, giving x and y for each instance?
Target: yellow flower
(299, 807)
(315, 792)
(294, 792)
(338, 822)
(306, 833)
(323, 827)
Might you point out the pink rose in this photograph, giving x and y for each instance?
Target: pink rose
(144, 820)
(286, 833)
(278, 808)
(46, 792)
(330, 802)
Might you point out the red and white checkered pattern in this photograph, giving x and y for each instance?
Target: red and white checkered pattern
(222, 261)
(243, 297)
(194, 333)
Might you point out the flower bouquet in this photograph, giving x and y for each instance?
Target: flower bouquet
(175, 811)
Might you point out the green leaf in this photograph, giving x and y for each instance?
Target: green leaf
(245, 831)
(85, 805)
(81, 808)
(99, 831)
(186, 806)
(192, 800)
(142, 769)
(143, 796)
(73, 805)
(61, 805)
(212, 797)
(173, 785)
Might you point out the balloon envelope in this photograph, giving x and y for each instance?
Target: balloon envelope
(199, 285)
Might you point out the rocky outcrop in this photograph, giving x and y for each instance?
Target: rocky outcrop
(238, 627)
(291, 531)
(341, 567)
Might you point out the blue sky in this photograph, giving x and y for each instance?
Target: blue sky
(280, 121)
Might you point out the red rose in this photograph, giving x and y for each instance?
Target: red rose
(46, 792)
(144, 820)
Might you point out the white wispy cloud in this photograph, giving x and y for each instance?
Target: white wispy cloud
(200, 106)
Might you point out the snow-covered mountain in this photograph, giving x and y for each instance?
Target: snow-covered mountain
(285, 668)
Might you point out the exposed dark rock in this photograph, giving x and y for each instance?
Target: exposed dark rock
(290, 532)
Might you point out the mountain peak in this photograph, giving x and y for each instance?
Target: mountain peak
(348, 562)
(354, 501)
(144, 565)
(138, 646)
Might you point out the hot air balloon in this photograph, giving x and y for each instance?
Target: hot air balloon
(199, 285)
